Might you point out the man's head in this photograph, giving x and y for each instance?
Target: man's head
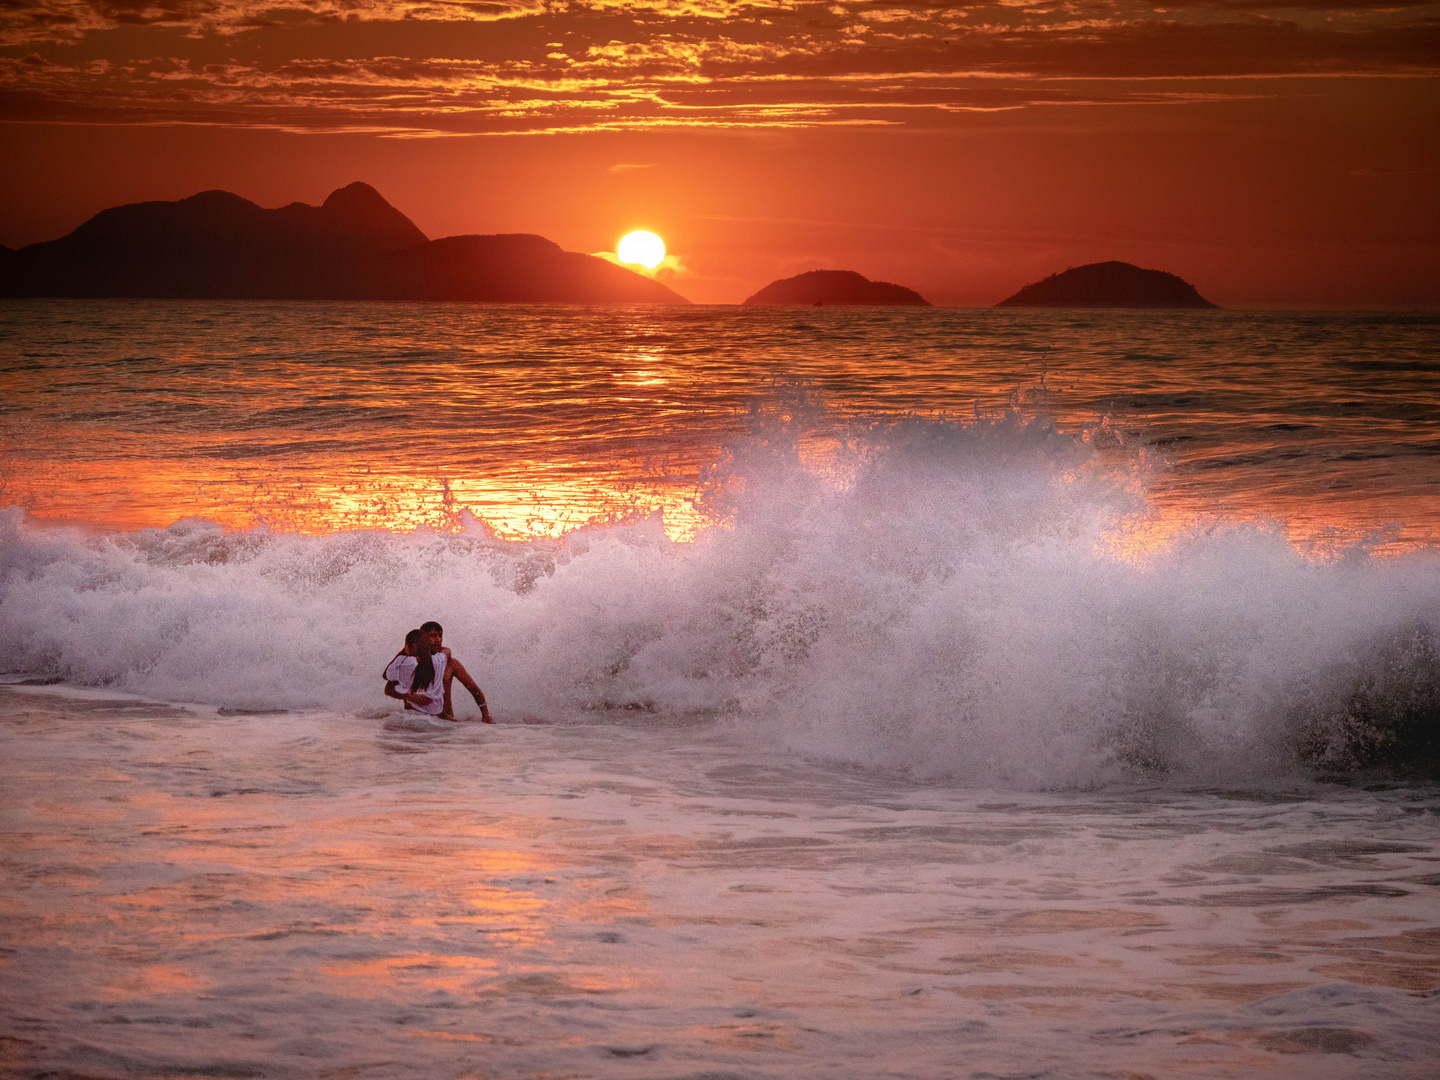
(436, 632)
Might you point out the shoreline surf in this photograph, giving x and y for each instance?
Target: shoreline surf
(325, 892)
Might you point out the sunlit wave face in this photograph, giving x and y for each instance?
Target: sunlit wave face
(642, 248)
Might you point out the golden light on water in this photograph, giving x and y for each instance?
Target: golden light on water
(641, 248)
(339, 496)
(538, 502)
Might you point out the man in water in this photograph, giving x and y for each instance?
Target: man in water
(434, 637)
(454, 669)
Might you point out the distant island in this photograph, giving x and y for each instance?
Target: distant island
(355, 246)
(824, 287)
(1109, 284)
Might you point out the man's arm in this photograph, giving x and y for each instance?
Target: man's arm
(469, 684)
(456, 668)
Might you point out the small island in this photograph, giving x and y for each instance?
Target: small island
(819, 288)
(355, 246)
(1109, 285)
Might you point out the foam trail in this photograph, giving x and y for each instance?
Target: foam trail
(945, 600)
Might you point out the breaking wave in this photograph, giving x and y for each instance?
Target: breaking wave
(956, 600)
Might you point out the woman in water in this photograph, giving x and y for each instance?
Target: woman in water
(417, 675)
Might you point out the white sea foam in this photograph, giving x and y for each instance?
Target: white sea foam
(945, 598)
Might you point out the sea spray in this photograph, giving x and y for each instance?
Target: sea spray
(942, 598)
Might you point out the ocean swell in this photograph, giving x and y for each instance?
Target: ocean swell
(955, 600)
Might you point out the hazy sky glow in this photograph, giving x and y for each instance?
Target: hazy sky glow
(1021, 137)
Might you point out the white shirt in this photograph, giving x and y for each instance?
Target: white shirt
(402, 672)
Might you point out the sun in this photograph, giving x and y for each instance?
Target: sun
(644, 248)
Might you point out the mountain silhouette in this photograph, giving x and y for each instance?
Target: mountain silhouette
(1109, 284)
(823, 287)
(354, 246)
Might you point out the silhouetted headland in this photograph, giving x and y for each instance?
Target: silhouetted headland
(1109, 284)
(822, 287)
(356, 246)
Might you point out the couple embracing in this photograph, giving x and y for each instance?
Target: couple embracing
(421, 673)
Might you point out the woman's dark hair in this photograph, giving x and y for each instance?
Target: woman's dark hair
(418, 642)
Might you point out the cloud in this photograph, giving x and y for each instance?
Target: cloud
(606, 65)
(669, 269)
(59, 20)
(750, 23)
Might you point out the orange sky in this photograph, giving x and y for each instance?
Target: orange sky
(1273, 156)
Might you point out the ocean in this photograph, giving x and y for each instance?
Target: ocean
(880, 692)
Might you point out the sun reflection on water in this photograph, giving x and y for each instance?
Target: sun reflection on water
(149, 981)
(337, 497)
(453, 973)
(158, 493)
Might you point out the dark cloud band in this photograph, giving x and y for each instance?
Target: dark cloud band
(522, 67)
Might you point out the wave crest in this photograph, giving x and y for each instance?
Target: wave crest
(943, 598)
